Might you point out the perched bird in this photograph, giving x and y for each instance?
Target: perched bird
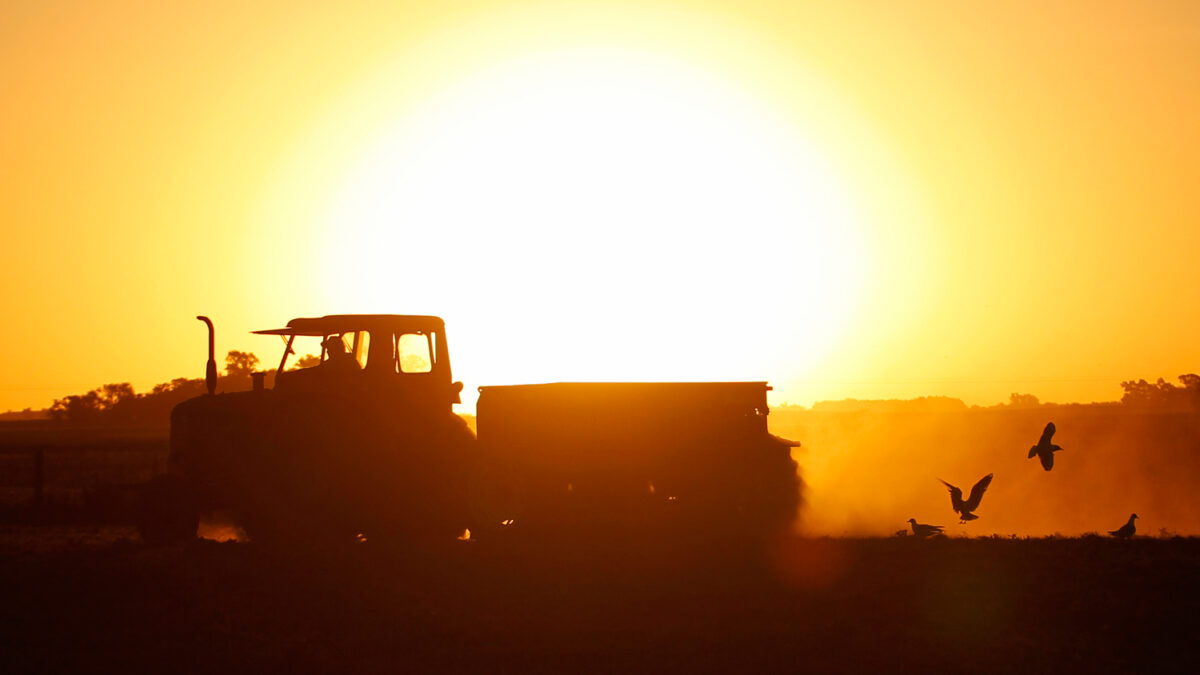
(923, 530)
(1125, 531)
(1045, 449)
(964, 508)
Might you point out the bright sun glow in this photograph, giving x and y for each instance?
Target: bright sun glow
(601, 214)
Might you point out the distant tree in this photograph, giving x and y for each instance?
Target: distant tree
(154, 408)
(922, 404)
(119, 404)
(26, 414)
(110, 400)
(307, 361)
(1023, 400)
(240, 364)
(1163, 394)
(174, 385)
(113, 394)
(77, 408)
(1139, 392)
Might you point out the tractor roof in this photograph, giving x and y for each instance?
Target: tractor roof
(346, 323)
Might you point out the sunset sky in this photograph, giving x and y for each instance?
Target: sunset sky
(863, 199)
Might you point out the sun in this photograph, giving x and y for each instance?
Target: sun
(600, 214)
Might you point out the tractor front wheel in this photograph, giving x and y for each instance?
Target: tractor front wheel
(167, 511)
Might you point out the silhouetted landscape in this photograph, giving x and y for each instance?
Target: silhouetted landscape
(1007, 591)
(869, 466)
(787, 337)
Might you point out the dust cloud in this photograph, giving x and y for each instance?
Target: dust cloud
(870, 467)
(218, 528)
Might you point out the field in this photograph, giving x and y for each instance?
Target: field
(64, 474)
(97, 599)
(83, 593)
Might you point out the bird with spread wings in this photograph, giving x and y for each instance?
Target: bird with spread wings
(965, 508)
(1044, 450)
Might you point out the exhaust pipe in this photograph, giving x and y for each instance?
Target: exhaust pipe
(210, 371)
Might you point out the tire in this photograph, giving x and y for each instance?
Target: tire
(754, 495)
(167, 511)
(495, 496)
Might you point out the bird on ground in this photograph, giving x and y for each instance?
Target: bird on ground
(1125, 531)
(923, 530)
(964, 508)
(1044, 450)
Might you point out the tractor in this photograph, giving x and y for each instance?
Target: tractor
(362, 442)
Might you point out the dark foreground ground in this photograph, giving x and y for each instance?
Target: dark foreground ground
(98, 600)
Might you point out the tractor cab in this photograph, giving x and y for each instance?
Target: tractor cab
(405, 355)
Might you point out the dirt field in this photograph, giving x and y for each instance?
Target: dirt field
(97, 600)
(94, 598)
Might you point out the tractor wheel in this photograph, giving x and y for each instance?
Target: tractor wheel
(495, 496)
(167, 511)
(755, 497)
(771, 493)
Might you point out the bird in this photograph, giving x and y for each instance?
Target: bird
(1125, 531)
(964, 508)
(1044, 450)
(923, 530)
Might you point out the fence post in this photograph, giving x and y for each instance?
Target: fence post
(39, 477)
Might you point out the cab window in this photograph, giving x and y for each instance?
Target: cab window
(414, 352)
(307, 353)
(362, 346)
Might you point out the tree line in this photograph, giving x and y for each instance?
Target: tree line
(1163, 394)
(119, 404)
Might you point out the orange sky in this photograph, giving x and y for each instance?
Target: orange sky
(865, 200)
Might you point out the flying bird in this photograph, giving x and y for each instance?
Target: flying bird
(1044, 450)
(964, 508)
(1125, 531)
(923, 530)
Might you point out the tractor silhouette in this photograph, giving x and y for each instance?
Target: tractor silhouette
(364, 443)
